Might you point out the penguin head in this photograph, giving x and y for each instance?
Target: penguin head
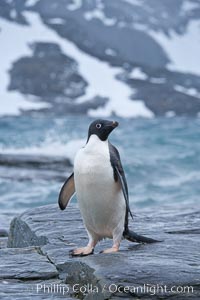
(102, 128)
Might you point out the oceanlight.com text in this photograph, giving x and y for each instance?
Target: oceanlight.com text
(113, 289)
(151, 289)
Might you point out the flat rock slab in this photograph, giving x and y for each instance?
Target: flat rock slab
(26, 273)
(25, 264)
(135, 270)
(14, 289)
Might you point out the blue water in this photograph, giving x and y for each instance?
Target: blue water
(161, 159)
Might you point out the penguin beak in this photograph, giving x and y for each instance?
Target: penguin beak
(110, 126)
(114, 124)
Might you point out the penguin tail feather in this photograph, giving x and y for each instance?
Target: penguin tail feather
(134, 237)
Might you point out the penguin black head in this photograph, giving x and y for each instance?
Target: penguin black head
(101, 128)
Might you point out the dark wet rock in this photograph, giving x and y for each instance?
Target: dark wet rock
(34, 161)
(3, 238)
(34, 167)
(3, 233)
(57, 78)
(173, 262)
(24, 237)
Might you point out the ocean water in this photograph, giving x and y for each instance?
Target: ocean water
(161, 158)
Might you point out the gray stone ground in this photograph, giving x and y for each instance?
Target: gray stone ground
(38, 266)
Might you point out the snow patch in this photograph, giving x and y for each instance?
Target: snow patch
(110, 52)
(134, 2)
(99, 14)
(182, 50)
(188, 91)
(121, 24)
(187, 6)
(140, 27)
(75, 5)
(157, 80)
(56, 21)
(13, 13)
(120, 103)
(99, 4)
(140, 110)
(13, 103)
(170, 114)
(137, 73)
(31, 2)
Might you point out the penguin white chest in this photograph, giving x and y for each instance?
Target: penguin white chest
(100, 198)
(92, 167)
(93, 159)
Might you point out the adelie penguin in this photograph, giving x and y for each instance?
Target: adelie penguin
(101, 189)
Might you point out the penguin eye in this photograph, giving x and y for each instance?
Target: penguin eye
(98, 126)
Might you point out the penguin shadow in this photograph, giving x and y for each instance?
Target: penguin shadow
(135, 247)
(126, 247)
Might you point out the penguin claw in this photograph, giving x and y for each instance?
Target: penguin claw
(80, 252)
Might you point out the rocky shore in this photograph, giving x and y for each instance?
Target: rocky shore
(35, 262)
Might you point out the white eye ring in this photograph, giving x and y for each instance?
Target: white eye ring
(98, 126)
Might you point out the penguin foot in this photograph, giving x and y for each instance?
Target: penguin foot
(84, 251)
(111, 250)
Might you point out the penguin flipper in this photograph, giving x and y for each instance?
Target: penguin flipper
(67, 191)
(119, 175)
(124, 190)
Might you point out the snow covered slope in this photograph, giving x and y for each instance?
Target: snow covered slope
(100, 57)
